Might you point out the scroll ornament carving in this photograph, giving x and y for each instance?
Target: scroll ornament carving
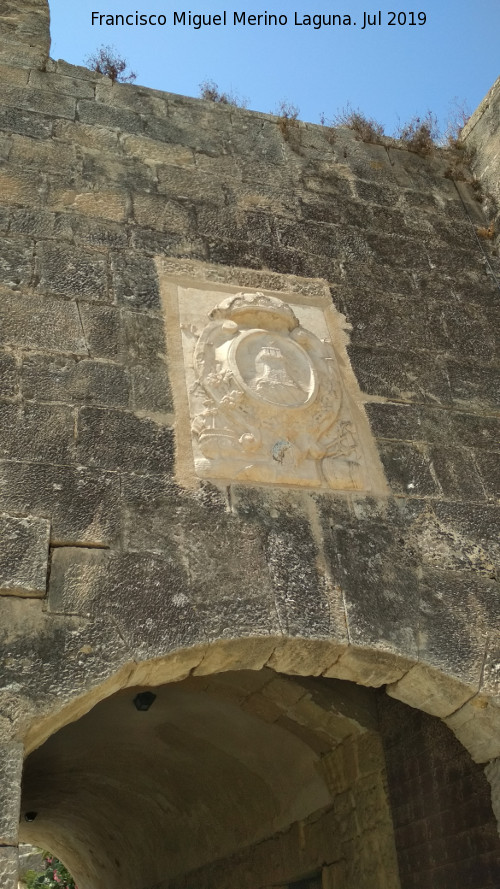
(267, 404)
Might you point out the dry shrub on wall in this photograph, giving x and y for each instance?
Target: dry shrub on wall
(366, 128)
(287, 114)
(210, 91)
(420, 134)
(106, 61)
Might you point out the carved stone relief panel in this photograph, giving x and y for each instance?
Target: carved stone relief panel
(267, 397)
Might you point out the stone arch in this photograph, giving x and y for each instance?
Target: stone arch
(471, 715)
(236, 670)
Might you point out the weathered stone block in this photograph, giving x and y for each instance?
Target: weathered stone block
(474, 431)
(129, 95)
(135, 281)
(37, 432)
(318, 238)
(150, 387)
(150, 150)
(169, 130)
(82, 505)
(8, 375)
(474, 531)
(112, 205)
(181, 182)
(410, 423)
(119, 440)
(17, 76)
(456, 613)
(489, 468)
(126, 173)
(23, 556)
(146, 595)
(36, 223)
(425, 688)
(5, 147)
(77, 576)
(394, 326)
(102, 326)
(343, 211)
(72, 381)
(72, 271)
(399, 375)
(44, 155)
(11, 759)
(477, 727)
(122, 335)
(456, 473)
(85, 135)
(370, 275)
(66, 69)
(18, 187)
(40, 323)
(226, 560)
(15, 262)
(112, 117)
(8, 867)
(408, 470)
(292, 557)
(474, 386)
(154, 211)
(357, 664)
(153, 242)
(377, 574)
(62, 84)
(97, 232)
(465, 334)
(52, 103)
(12, 52)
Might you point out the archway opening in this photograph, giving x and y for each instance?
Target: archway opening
(216, 768)
(258, 779)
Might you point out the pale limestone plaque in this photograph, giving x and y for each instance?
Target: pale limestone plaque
(268, 397)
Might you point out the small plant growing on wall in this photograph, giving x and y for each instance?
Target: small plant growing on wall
(457, 119)
(287, 114)
(55, 875)
(366, 128)
(210, 91)
(420, 134)
(106, 61)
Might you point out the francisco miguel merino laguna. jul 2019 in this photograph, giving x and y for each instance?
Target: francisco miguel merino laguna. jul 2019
(198, 20)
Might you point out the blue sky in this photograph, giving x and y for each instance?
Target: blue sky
(390, 72)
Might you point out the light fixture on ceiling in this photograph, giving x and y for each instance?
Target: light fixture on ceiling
(143, 700)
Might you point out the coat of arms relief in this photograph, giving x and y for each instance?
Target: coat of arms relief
(267, 401)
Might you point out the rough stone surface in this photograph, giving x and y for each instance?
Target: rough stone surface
(82, 504)
(29, 322)
(8, 867)
(481, 136)
(105, 190)
(12, 764)
(24, 556)
(492, 772)
(442, 817)
(120, 440)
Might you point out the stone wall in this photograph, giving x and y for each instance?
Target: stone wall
(482, 141)
(351, 843)
(440, 804)
(111, 560)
